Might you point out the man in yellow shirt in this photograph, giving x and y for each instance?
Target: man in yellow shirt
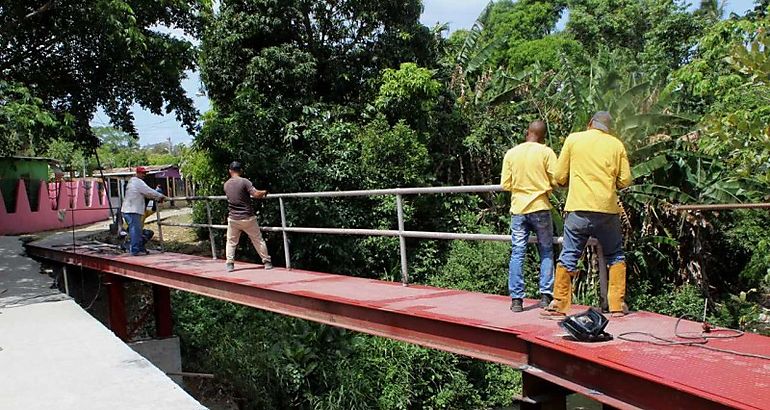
(528, 173)
(595, 165)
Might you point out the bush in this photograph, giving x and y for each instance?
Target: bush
(669, 300)
(276, 362)
(740, 312)
(476, 267)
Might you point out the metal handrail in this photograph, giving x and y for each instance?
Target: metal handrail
(365, 192)
(721, 207)
(401, 233)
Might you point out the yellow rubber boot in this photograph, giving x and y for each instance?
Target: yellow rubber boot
(562, 292)
(616, 290)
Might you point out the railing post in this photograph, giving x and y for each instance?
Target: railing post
(402, 240)
(603, 277)
(211, 231)
(286, 252)
(160, 228)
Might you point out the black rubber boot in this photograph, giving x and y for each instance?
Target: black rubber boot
(517, 305)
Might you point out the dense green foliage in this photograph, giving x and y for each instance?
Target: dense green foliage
(61, 60)
(276, 362)
(25, 123)
(355, 94)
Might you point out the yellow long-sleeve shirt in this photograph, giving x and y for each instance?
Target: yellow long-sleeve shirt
(596, 165)
(528, 173)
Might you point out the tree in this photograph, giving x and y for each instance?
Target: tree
(399, 147)
(408, 93)
(608, 23)
(711, 9)
(726, 84)
(658, 34)
(118, 148)
(522, 33)
(338, 46)
(75, 56)
(25, 122)
(67, 154)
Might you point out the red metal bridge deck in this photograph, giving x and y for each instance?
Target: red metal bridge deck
(617, 373)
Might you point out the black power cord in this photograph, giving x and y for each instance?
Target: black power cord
(694, 339)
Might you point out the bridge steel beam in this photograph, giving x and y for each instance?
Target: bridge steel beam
(485, 344)
(161, 300)
(117, 310)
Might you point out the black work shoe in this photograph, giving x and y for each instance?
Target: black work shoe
(517, 305)
(268, 265)
(230, 267)
(545, 300)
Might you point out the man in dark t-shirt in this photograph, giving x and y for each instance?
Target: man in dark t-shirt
(241, 217)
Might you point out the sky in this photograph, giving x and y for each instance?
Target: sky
(460, 14)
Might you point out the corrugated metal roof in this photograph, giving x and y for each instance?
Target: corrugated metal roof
(128, 171)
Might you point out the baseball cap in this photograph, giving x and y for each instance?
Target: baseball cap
(235, 166)
(602, 120)
(141, 170)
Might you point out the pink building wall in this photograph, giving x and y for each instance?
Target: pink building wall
(71, 200)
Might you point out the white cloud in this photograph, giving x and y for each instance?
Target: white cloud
(460, 14)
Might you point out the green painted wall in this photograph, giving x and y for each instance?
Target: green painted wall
(32, 170)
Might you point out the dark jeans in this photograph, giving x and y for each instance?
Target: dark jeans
(581, 225)
(521, 226)
(137, 234)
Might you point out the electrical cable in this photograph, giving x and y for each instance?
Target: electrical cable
(96, 296)
(691, 339)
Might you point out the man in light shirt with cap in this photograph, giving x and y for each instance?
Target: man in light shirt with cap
(594, 164)
(133, 209)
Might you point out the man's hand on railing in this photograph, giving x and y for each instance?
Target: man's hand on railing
(259, 194)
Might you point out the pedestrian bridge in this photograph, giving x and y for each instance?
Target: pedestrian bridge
(729, 372)
(618, 373)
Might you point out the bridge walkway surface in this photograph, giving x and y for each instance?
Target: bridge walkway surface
(618, 373)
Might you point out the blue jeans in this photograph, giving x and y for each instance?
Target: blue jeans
(521, 227)
(581, 225)
(135, 225)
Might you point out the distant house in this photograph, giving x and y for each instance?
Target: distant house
(167, 176)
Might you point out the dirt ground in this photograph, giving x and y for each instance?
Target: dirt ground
(175, 239)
